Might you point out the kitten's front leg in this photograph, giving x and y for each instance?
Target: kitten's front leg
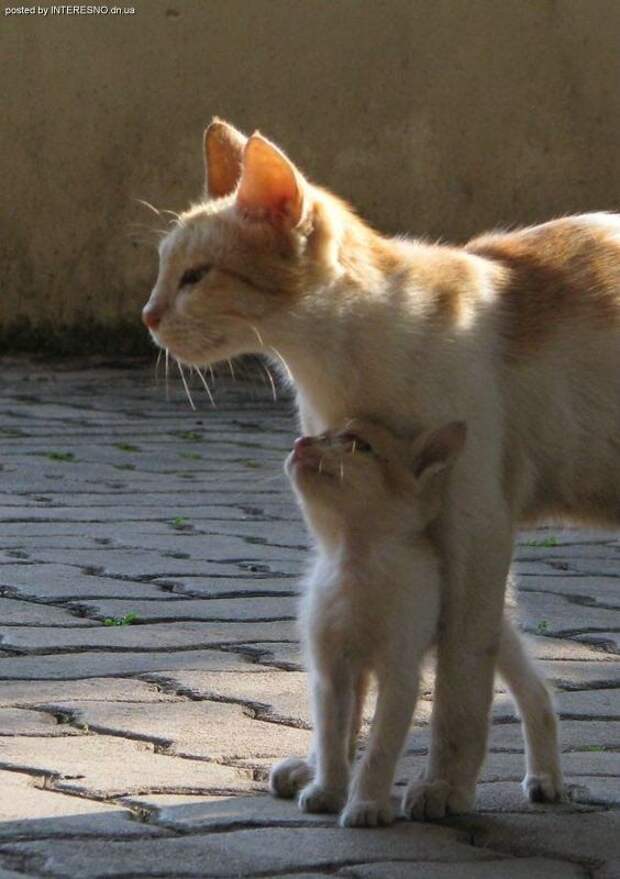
(369, 804)
(333, 697)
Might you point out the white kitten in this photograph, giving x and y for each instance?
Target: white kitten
(372, 606)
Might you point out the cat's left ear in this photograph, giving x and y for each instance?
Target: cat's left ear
(436, 450)
(271, 188)
(223, 154)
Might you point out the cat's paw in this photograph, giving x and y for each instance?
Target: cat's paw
(315, 798)
(428, 800)
(367, 813)
(544, 788)
(289, 776)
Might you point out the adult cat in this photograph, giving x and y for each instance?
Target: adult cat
(518, 334)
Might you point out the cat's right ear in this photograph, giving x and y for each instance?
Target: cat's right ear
(223, 155)
(271, 188)
(436, 450)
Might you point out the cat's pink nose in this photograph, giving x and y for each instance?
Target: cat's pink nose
(151, 317)
(302, 441)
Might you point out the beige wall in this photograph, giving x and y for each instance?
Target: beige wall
(436, 117)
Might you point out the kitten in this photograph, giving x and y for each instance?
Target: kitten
(518, 334)
(372, 606)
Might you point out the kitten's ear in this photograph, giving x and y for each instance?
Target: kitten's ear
(223, 154)
(271, 188)
(435, 450)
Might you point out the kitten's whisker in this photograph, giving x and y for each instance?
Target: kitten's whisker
(173, 214)
(182, 374)
(257, 334)
(274, 392)
(206, 386)
(211, 373)
(167, 373)
(341, 470)
(157, 362)
(283, 361)
(148, 205)
(354, 447)
(232, 370)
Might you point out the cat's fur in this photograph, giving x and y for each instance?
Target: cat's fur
(371, 606)
(518, 334)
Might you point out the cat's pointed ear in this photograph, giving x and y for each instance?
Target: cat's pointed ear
(436, 450)
(271, 188)
(223, 155)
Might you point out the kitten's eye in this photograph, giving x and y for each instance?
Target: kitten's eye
(192, 276)
(357, 444)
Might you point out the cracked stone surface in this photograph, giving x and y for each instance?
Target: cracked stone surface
(150, 670)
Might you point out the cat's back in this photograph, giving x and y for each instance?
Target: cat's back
(563, 275)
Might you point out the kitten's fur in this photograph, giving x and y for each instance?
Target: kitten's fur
(371, 605)
(518, 334)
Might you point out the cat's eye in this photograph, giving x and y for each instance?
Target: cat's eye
(192, 276)
(357, 443)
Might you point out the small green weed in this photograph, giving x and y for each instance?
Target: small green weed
(127, 620)
(543, 627)
(594, 748)
(180, 523)
(127, 447)
(191, 436)
(546, 542)
(191, 456)
(60, 456)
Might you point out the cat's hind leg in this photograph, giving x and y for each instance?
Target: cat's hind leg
(543, 782)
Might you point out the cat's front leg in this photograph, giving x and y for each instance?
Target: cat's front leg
(333, 697)
(467, 649)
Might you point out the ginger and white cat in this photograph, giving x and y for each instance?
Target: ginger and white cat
(371, 606)
(518, 334)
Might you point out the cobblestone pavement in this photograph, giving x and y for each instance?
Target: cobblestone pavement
(140, 749)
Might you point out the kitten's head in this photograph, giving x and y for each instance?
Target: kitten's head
(237, 262)
(365, 475)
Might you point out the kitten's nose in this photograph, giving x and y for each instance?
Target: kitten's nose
(302, 441)
(151, 317)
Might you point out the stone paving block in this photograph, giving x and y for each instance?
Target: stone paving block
(107, 766)
(237, 853)
(193, 814)
(595, 590)
(546, 647)
(609, 641)
(587, 838)
(15, 612)
(60, 582)
(589, 703)
(231, 584)
(173, 608)
(581, 675)
(171, 636)
(73, 666)
(559, 616)
(24, 722)
(523, 868)
(31, 692)
(210, 730)
(29, 811)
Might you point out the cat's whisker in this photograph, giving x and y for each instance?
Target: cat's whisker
(148, 205)
(167, 373)
(354, 447)
(157, 362)
(211, 373)
(274, 392)
(173, 214)
(257, 334)
(185, 385)
(283, 361)
(206, 386)
(341, 470)
(232, 370)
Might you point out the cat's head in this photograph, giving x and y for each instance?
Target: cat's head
(364, 474)
(236, 263)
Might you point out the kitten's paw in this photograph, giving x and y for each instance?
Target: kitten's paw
(315, 798)
(428, 800)
(289, 776)
(367, 813)
(544, 788)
